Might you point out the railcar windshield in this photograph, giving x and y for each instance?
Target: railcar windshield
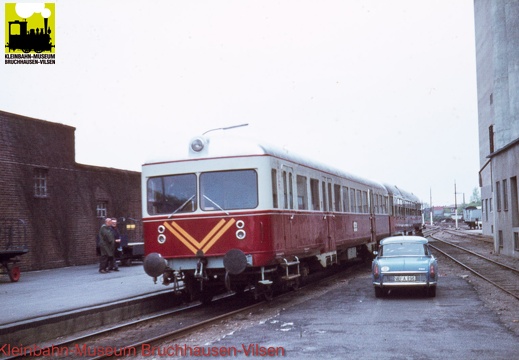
(229, 190)
(219, 190)
(403, 249)
(172, 194)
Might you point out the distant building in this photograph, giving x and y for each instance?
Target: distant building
(497, 59)
(61, 202)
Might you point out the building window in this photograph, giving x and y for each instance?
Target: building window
(516, 241)
(40, 182)
(491, 138)
(498, 196)
(505, 195)
(101, 209)
(500, 238)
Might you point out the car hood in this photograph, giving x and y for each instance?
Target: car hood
(404, 263)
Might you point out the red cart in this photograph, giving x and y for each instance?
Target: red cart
(13, 244)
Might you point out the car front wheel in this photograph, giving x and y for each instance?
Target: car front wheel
(379, 292)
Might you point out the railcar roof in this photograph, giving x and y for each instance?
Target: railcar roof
(223, 146)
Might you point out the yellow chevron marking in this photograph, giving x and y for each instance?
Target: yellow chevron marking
(191, 243)
(220, 233)
(186, 235)
(213, 231)
(181, 238)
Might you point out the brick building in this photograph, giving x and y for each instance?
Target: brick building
(61, 203)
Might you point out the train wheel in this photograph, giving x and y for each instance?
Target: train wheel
(268, 293)
(14, 273)
(206, 297)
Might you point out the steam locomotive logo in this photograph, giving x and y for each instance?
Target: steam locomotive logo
(29, 27)
(207, 242)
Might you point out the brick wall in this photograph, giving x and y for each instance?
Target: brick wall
(61, 223)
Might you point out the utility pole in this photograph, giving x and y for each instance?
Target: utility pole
(456, 205)
(431, 209)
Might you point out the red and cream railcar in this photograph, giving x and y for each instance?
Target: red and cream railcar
(233, 213)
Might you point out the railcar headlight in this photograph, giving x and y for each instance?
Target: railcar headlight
(161, 239)
(240, 234)
(197, 144)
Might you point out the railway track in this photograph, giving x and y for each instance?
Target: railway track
(498, 274)
(146, 336)
(133, 337)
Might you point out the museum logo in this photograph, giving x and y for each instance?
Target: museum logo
(30, 33)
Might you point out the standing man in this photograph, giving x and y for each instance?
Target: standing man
(106, 245)
(112, 262)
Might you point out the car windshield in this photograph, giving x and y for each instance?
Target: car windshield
(403, 249)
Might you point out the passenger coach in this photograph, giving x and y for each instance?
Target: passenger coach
(233, 213)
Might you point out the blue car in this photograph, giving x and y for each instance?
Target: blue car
(404, 261)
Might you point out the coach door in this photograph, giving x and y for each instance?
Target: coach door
(328, 213)
(373, 217)
(287, 183)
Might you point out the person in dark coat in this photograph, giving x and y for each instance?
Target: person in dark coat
(112, 262)
(106, 245)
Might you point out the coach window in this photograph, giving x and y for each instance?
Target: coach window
(274, 188)
(353, 201)
(229, 190)
(330, 196)
(285, 192)
(365, 201)
(337, 194)
(325, 198)
(302, 193)
(345, 199)
(290, 191)
(314, 190)
(288, 196)
(359, 201)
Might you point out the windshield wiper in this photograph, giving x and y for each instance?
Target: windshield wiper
(218, 206)
(181, 206)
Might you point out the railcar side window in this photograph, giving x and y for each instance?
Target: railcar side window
(229, 190)
(345, 199)
(359, 201)
(172, 194)
(353, 200)
(337, 195)
(302, 193)
(314, 189)
(365, 202)
(274, 188)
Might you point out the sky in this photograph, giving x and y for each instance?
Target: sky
(384, 89)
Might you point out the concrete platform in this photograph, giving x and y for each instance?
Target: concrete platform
(43, 296)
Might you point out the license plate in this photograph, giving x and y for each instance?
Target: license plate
(405, 278)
